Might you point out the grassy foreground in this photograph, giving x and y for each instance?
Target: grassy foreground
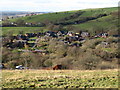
(60, 79)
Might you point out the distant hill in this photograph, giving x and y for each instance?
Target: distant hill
(13, 13)
(17, 13)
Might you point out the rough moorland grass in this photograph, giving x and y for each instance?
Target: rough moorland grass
(60, 78)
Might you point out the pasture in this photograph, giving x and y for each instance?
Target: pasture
(60, 78)
(17, 30)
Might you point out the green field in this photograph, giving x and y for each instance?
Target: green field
(60, 78)
(17, 30)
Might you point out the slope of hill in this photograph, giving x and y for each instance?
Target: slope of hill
(88, 19)
(43, 17)
(62, 15)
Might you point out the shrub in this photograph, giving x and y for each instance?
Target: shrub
(112, 39)
(61, 50)
(87, 62)
(52, 46)
(20, 22)
(75, 52)
(66, 62)
(113, 32)
(32, 60)
(91, 43)
(106, 65)
(48, 63)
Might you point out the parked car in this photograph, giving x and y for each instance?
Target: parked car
(20, 67)
(1, 66)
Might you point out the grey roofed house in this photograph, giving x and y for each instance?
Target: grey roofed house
(51, 34)
(61, 33)
(84, 34)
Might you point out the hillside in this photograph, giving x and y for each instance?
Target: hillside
(87, 19)
(61, 15)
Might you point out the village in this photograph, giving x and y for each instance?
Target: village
(36, 42)
(32, 39)
(47, 42)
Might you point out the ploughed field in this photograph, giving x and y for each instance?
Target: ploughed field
(60, 78)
